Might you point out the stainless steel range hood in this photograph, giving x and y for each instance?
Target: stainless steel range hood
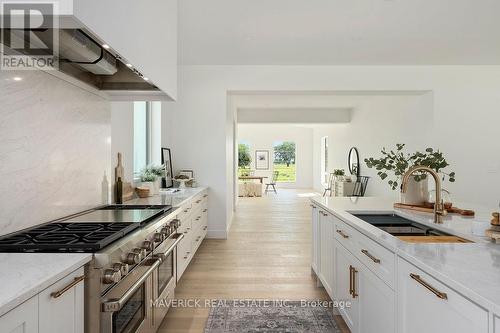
(83, 58)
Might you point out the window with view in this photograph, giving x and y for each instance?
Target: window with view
(147, 135)
(285, 161)
(244, 158)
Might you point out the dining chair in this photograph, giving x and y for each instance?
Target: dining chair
(329, 185)
(360, 186)
(273, 182)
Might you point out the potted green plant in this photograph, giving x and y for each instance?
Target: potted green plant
(151, 178)
(339, 174)
(394, 163)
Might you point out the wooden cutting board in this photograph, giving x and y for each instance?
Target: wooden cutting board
(433, 239)
(425, 209)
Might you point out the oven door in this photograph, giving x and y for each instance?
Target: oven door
(164, 278)
(126, 308)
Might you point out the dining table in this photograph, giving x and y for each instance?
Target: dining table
(260, 178)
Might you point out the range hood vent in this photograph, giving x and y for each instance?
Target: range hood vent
(78, 48)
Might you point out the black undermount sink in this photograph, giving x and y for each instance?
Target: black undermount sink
(399, 226)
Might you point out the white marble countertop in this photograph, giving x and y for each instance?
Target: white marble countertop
(174, 199)
(23, 275)
(472, 269)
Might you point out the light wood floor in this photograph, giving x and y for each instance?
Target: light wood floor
(266, 256)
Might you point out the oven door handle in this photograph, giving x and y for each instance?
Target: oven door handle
(162, 256)
(115, 304)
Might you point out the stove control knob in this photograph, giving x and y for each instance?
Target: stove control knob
(141, 252)
(166, 231)
(122, 267)
(148, 245)
(132, 258)
(158, 237)
(111, 276)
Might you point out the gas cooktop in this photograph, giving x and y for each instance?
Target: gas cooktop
(89, 231)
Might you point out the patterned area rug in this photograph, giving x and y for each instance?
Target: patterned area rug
(290, 317)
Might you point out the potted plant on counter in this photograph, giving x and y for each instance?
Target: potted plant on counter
(396, 162)
(339, 174)
(151, 178)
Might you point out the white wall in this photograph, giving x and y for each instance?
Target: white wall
(466, 117)
(122, 138)
(55, 148)
(262, 137)
(377, 121)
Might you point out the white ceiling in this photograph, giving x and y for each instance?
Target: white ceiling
(339, 32)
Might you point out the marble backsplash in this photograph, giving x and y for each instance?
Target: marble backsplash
(55, 146)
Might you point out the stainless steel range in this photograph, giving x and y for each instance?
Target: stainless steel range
(133, 265)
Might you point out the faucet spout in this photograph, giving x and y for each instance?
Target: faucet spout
(439, 210)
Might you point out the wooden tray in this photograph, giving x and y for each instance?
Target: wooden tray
(433, 239)
(426, 209)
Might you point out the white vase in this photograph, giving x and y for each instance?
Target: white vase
(416, 192)
(157, 185)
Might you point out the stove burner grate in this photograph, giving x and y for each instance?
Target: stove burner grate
(66, 237)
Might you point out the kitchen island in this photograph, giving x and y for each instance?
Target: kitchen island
(455, 284)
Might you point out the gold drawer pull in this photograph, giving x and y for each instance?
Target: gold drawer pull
(436, 292)
(352, 281)
(57, 294)
(341, 233)
(375, 260)
(205, 195)
(205, 210)
(198, 201)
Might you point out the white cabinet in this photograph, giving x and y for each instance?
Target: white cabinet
(344, 261)
(427, 305)
(326, 258)
(61, 305)
(193, 224)
(377, 303)
(143, 33)
(22, 319)
(315, 239)
(57, 309)
(372, 302)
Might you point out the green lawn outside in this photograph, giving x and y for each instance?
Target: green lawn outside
(286, 174)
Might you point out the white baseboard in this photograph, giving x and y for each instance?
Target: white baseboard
(216, 234)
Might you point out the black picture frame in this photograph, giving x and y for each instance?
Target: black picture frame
(266, 157)
(167, 181)
(353, 161)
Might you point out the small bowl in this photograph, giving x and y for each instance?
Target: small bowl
(142, 192)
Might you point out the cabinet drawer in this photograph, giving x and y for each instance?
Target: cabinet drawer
(346, 235)
(185, 211)
(184, 249)
(199, 199)
(196, 219)
(197, 238)
(377, 258)
(427, 305)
